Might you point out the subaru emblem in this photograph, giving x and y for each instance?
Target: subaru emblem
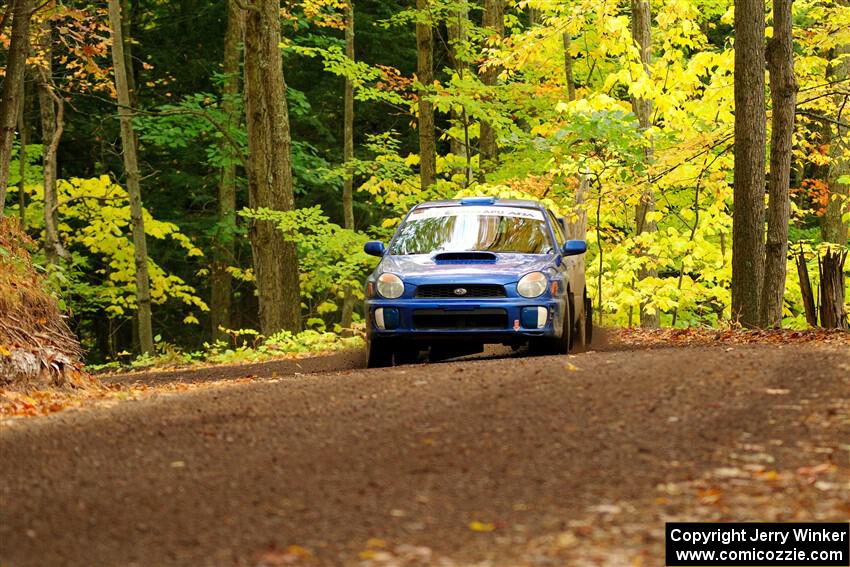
(460, 291)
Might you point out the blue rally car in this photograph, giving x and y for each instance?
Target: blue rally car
(464, 273)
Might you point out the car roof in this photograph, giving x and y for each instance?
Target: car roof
(521, 203)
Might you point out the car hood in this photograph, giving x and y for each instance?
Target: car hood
(421, 268)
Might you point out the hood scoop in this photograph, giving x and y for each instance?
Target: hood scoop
(464, 258)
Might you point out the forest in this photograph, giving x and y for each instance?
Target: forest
(196, 179)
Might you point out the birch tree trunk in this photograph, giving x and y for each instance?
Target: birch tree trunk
(783, 93)
(221, 296)
(749, 178)
(425, 73)
(270, 169)
(642, 36)
(134, 193)
(11, 94)
(493, 20)
(347, 156)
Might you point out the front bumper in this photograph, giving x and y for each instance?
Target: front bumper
(481, 320)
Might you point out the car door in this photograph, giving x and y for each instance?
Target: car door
(573, 267)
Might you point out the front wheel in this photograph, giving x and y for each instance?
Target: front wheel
(557, 345)
(380, 353)
(562, 345)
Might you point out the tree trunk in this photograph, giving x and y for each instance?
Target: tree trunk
(11, 95)
(52, 111)
(270, 170)
(750, 137)
(347, 156)
(577, 223)
(221, 280)
(134, 193)
(493, 20)
(834, 228)
(568, 67)
(806, 289)
(783, 93)
(425, 73)
(642, 36)
(127, 39)
(457, 27)
(533, 16)
(24, 129)
(832, 314)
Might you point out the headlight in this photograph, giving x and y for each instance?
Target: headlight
(532, 285)
(390, 286)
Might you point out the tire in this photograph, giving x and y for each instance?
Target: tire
(583, 330)
(380, 353)
(562, 345)
(588, 321)
(556, 345)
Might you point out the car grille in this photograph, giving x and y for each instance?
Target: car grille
(442, 319)
(447, 291)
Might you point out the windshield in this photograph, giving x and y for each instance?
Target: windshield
(472, 228)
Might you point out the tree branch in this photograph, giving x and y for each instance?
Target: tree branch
(84, 197)
(823, 118)
(218, 126)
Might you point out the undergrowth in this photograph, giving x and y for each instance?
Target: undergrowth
(242, 346)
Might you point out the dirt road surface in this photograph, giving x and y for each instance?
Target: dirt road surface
(565, 460)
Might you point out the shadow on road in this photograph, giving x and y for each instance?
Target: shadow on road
(334, 362)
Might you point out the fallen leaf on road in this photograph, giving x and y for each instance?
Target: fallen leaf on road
(566, 540)
(292, 555)
(822, 468)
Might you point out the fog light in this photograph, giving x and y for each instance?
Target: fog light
(542, 317)
(387, 318)
(534, 317)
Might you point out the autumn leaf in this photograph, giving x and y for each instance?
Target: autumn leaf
(477, 526)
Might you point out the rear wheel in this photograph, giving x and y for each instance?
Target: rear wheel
(588, 320)
(583, 334)
(380, 353)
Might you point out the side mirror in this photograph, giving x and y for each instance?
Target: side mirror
(374, 248)
(574, 247)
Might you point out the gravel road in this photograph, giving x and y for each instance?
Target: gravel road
(563, 460)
